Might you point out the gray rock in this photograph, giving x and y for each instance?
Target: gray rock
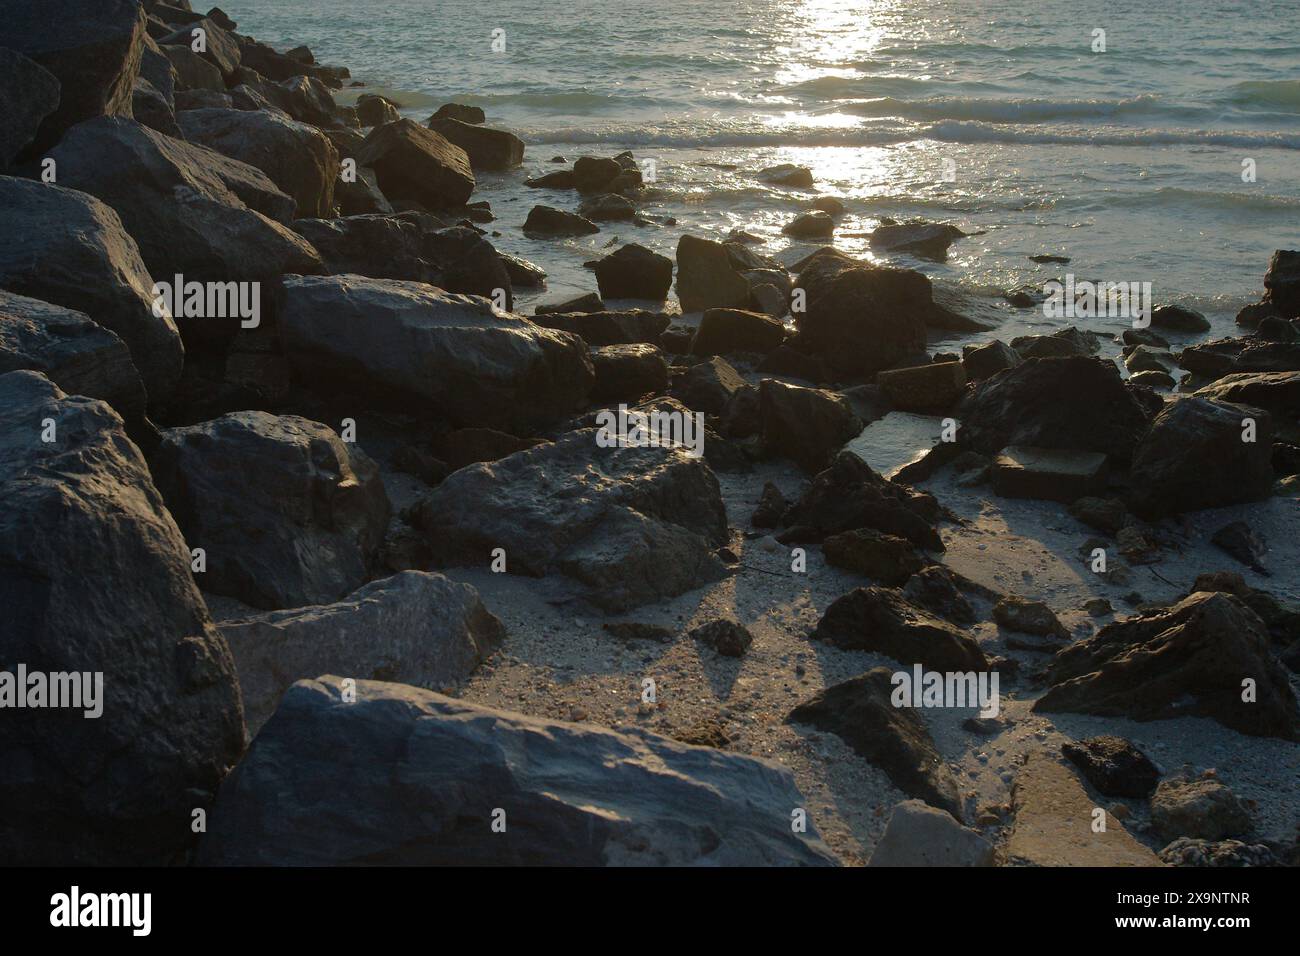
(708, 387)
(95, 577)
(808, 425)
(1028, 617)
(416, 163)
(286, 512)
(920, 835)
(627, 372)
(547, 221)
(414, 628)
(726, 331)
(600, 327)
(361, 195)
(929, 240)
(487, 148)
(634, 272)
(983, 361)
(1202, 809)
(151, 108)
(427, 774)
(28, 95)
(219, 47)
(880, 620)
(607, 207)
(706, 277)
(192, 71)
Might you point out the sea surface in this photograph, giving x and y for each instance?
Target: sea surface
(1129, 161)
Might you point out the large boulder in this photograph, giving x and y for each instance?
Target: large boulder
(626, 372)
(92, 47)
(1282, 283)
(1212, 360)
(1196, 456)
(486, 148)
(435, 781)
(1275, 392)
(629, 525)
(286, 513)
(217, 46)
(881, 620)
(95, 579)
(67, 248)
(381, 246)
(455, 355)
(28, 95)
(609, 328)
(547, 221)
(298, 158)
(304, 98)
(808, 425)
(706, 278)
(1192, 659)
(634, 272)
(418, 164)
(192, 71)
(228, 228)
(151, 108)
(415, 628)
(727, 331)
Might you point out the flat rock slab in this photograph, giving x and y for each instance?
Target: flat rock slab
(1023, 471)
(920, 835)
(1054, 820)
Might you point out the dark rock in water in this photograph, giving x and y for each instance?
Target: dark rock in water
(810, 225)
(807, 425)
(1241, 541)
(1153, 379)
(486, 148)
(416, 163)
(984, 361)
(1021, 471)
(1195, 457)
(829, 205)
(77, 355)
(880, 620)
(634, 272)
(1201, 809)
(1062, 344)
(929, 240)
(885, 557)
(419, 628)
(286, 512)
(1143, 337)
(1046, 259)
(1286, 458)
(523, 272)
(727, 331)
(297, 157)
(1187, 660)
(771, 505)
(28, 95)
(384, 339)
(708, 386)
(221, 233)
(428, 771)
(1274, 328)
(608, 328)
(373, 110)
(1028, 617)
(467, 263)
(1282, 283)
(466, 114)
(1222, 357)
(151, 108)
(1178, 318)
(607, 207)
(546, 221)
(729, 638)
(1187, 851)
(585, 304)
(594, 175)
(560, 179)
(849, 494)
(120, 790)
(69, 249)
(924, 388)
(892, 738)
(1065, 403)
(93, 49)
(787, 174)
(1146, 358)
(786, 359)
(631, 525)
(938, 591)
(219, 47)
(706, 277)
(1113, 765)
(627, 372)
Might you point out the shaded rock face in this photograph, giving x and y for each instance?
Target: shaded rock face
(937, 590)
(609, 328)
(77, 355)
(885, 557)
(808, 425)
(375, 110)
(298, 158)
(547, 221)
(151, 108)
(120, 788)
(381, 246)
(849, 494)
(1282, 283)
(415, 627)
(706, 278)
(93, 48)
(456, 111)
(228, 229)
(1114, 766)
(192, 71)
(1075, 403)
(486, 148)
(982, 361)
(1195, 456)
(892, 738)
(628, 525)
(427, 772)
(929, 240)
(634, 272)
(66, 248)
(626, 372)
(1199, 809)
(709, 386)
(1188, 660)
(1275, 392)
(286, 513)
(1222, 357)
(455, 355)
(919, 835)
(416, 163)
(726, 331)
(28, 95)
(881, 620)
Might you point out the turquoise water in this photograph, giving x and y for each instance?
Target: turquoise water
(1130, 160)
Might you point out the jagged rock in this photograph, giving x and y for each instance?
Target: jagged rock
(929, 240)
(286, 512)
(1020, 471)
(935, 589)
(608, 207)
(1113, 765)
(415, 163)
(1241, 541)
(524, 273)
(1186, 851)
(69, 249)
(885, 557)
(629, 524)
(608, 328)
(375, 245)
(879, 620)
(589, 303)
(1145, 358)
(374, 110)
(919, 835)
(467, 263)
(1187, 660)
(728, 637)
(29, 94)
(807, 425)
(634, 272)
(95, 577)
(219, 47)
(1275, 392)
(626, 372)
(726, 331)
(1194, 457)
(706, 278)
(466, 114)
(546, 221)
(308, 100)
(593, 174)
(1282, 283)
(192, 71)
(1214, 360)
(415, 627)
(708, 387)
(1283, 622)
(1201, 809)
(892, 738)
(221, 232)
(1028, 617)
(202, 99)
(486, 148)
(151, 108)
(984, 361)
(452, 354)
(1063, 344)
(426, 772)
(771, 505)
(924, 388)
(1153, 379)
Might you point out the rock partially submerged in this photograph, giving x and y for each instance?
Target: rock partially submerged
(415, 163)
(430, 776)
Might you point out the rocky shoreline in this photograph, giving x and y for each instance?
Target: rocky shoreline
(614, 583)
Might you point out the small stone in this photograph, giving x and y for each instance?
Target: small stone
(1028, 617)
(728, 637)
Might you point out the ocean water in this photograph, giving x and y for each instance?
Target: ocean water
(1130, 161)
